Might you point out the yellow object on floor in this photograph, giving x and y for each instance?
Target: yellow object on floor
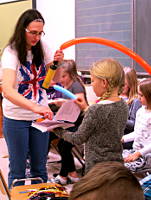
(30, 192)
(27, 191)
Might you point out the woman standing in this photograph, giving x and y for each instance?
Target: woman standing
(24, 63)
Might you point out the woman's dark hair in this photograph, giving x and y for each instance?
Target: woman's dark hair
(18, 39)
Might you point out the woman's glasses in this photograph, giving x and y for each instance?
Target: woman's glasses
(35, 33)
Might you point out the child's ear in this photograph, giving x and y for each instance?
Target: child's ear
(105, 83)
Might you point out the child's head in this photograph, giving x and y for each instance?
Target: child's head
(144, 92)
(68, 72)
(131, 83)
(107, 76)
(106, 181)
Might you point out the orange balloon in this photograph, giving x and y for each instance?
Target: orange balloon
(110, 43)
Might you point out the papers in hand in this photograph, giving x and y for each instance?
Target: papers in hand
(49, 125)
(65, 118)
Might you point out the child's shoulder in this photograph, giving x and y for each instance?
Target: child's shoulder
(144, 113)
(143, 109)
(76, 84)
(102, 105)
(111, 105)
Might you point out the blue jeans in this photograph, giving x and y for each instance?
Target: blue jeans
(23, 140)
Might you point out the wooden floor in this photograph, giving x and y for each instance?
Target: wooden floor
(52, 165)
(3, 158)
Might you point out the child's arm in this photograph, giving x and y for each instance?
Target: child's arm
(137, 154)
(145, 150)
(84, 131)
(128, 137)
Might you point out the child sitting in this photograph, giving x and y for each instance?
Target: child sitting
(70, 80)
(130, 94)
(138, 157)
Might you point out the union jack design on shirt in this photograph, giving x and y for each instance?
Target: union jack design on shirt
(30, 85)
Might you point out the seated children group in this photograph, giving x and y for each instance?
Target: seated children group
(104, 123)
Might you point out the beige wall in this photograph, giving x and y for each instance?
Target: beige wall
(9, 14)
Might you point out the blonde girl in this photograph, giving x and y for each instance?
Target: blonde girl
(130, 94)
(104, 122)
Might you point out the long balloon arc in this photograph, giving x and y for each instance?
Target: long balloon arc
(110, 43)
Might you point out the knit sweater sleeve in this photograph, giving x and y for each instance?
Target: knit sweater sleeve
(85, 129)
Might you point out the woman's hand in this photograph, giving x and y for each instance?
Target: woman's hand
(81, 102)
(59, 55)
(44, 111)
(132, 157)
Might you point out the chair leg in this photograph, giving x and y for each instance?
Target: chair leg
(54, 145)
(76, 152)
(3, 187)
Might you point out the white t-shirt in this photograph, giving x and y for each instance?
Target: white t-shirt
(142, 132)
(28, 82)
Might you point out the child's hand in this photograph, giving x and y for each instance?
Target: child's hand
(81, 103)
(132, 157)
(122, 140)
(58, 102)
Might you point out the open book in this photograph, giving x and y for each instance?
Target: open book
(65, 118)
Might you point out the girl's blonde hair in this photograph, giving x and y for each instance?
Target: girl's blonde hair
(112, 71)
(131, 77)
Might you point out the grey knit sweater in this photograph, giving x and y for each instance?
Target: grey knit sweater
(101, 131)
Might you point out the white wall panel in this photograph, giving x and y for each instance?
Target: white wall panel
(59, 16)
